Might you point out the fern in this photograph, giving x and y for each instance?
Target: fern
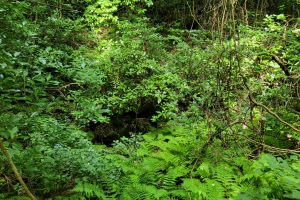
(203, 170)
(214, 190)
(77, 196)
(127, 180)
(136, 192)
(246, 178)
(210, 190)
(169, 158)
(271, 177)
(89, 190)
(225, 175)
(172, 176)
(150, 178)
(159, 194)
(153, 164)
(154, 192)
(194, 185)
(178, 194)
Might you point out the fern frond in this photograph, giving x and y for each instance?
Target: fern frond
(176, 143)
(294, 195)
(242, 162)
(109, 185)
(160, 194)
(128, 180)
(178, 171)
(173, 174)
(246, 178)
(225, 175)
(168, 182)
(149, 137)
(214, 190)
(291, 183)
(204, 170)
(89, 190)
(150, 178)
(142, 151)
(153, 164)
(210, 190)
(169, 158)
(77, 196)
(178, 194)
(154, 192)
(162, 145)
(195, 186)
(136, 192)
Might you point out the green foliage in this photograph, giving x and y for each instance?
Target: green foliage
(123, 74)
(68, 65)
(156, 176)
(19, 198)
(128, 146)
(100, 13)
(88, 190)
(273, 178)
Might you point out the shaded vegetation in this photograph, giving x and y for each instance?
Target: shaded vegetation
(142, 99)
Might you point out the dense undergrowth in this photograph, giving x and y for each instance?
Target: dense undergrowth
(108, 100)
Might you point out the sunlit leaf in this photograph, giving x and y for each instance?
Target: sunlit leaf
(42, 60)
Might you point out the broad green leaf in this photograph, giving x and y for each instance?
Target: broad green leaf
(5, 134)
(34, 114)
(7, 53)
(13, 132)
(42, 60)
(6, 144)
(17, 145)
(39, 78)
(25, 72)
(16, 54)
(13, 151)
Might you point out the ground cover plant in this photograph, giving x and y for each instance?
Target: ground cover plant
(141, 99)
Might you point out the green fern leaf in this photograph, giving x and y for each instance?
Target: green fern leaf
(195, 186)
(136, 192)
(294, 195)
(142, 151)
(203, 169)
(153, 164)
(158, 144)
(128, 180)
(77, 196)
(173, 174)
(89, 190)
(214, 190)
(291, 183)
(169, 158)
(225, 175)
(150, 178)
(109, 185)
(160, 194)
(149, 137)
(245, 178)
(154, 192)
(178, 194)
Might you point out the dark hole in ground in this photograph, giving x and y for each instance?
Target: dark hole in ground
(121, 125)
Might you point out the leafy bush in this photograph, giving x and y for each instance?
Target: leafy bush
(272, 177)
(219, 104)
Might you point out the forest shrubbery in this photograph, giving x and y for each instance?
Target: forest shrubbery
(116, 100)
